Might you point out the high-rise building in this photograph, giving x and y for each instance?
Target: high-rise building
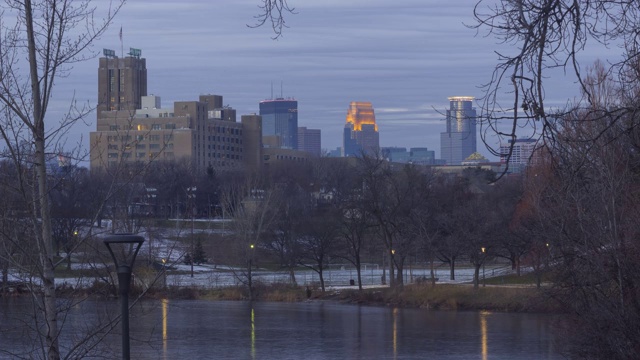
(522, 155)
(459, 139)
(280, 118)
(309, 140)
(360, 132)
(121, 81)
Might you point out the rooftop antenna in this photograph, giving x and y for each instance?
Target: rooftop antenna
(121, 46)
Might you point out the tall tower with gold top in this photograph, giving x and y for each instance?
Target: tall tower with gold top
(360, 132)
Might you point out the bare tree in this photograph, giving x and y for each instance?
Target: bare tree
(318, 238)
(547, 36)
(391, 195)
(589, 212)
(252, 209)
(40, 42)
(273, 12)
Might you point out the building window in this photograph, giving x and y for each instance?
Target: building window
(141, 146)
(168, 137)
(140, 155)
(154, 146)
(170, 126)
(155, 127)
(113, 155)
(113, 147)
(154, 137)
(113, 127)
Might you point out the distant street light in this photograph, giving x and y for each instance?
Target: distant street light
(124, 249)
(164, 272)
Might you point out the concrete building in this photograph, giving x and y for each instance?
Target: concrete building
(524, 154)
(309, 140)
(360, 131)
(280, 118)
(459, 139)
(204, 132)
(121, 81)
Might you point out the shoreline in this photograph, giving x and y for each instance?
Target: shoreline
(448, 297)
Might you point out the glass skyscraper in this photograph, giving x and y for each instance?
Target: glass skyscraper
(459, 139)
(280, 117)
(360, 132)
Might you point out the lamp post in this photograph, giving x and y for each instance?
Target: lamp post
(124, 249)
(164, 272)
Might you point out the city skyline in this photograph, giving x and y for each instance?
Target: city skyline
(407, 58)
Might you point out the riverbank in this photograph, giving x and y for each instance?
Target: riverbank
(438, 297)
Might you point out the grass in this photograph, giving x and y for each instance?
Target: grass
(455, 297)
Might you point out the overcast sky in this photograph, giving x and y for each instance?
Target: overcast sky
(404, 56)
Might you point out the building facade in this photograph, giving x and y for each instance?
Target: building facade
(203, 133)
(122, 82)
(522, 155)
(309, 140)
(459, 139)
(280, 118)
(360, 134)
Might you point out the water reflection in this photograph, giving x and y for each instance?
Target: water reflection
(311, 330)
(483, 332)
(253, 333)
(165, 308)
(395, 333)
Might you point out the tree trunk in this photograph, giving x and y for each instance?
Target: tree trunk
(46, 252)
(399, 276)
(321, 276)
(359, 272)
(431, 270)
(476, 275)
(292, 277)
(452, 269)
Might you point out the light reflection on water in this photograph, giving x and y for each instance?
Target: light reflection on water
(314, 330)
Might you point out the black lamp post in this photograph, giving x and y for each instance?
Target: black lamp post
(124, 249)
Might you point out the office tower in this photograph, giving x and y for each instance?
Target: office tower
(459, 139)
(309, 140)
(121, 81)
(360, 132)
(280, 118)
(523, 154)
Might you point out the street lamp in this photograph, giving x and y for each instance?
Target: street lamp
(124, 249)
(164, 272)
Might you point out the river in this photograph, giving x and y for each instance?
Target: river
(196, 329)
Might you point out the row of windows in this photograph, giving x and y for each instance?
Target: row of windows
(143, 127)
(226, 130)
(222, 147)
(225, 139)
(224, 156)
(139, 155)
(142, 146)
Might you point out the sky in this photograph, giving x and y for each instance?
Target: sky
(404, 56)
